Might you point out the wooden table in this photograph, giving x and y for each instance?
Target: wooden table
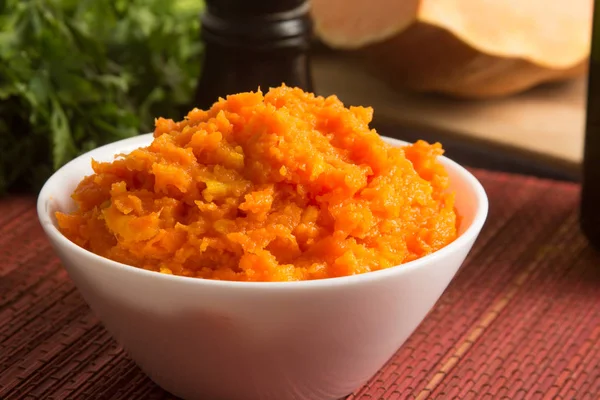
(545, 123)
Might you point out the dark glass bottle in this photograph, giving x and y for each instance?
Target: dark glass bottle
(590, 194)
(252, 43)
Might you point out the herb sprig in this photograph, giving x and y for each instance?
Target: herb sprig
(76, 74)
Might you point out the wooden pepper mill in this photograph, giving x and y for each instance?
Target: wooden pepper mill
(252, 43)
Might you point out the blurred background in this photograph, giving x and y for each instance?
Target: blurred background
(500, 84)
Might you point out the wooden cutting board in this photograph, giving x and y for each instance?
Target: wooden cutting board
(547, 121)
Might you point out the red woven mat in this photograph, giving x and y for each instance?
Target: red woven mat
(520, 320)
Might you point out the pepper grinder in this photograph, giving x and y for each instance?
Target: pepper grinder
(251, 44)
(590, 188)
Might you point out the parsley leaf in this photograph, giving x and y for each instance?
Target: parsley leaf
(76, 74)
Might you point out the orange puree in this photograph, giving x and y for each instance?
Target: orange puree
(281, 186)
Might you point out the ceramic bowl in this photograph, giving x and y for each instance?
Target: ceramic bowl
(206, 339)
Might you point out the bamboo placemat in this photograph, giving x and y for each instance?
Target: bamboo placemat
(521, 320)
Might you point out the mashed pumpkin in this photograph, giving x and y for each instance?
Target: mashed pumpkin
(281, 186)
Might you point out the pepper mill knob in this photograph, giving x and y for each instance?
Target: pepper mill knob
(251, 44)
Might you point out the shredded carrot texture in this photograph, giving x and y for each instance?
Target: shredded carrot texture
(281, 186)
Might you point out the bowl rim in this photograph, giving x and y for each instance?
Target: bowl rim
(470, 234)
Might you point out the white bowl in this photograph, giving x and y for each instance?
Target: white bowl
(206, 339)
